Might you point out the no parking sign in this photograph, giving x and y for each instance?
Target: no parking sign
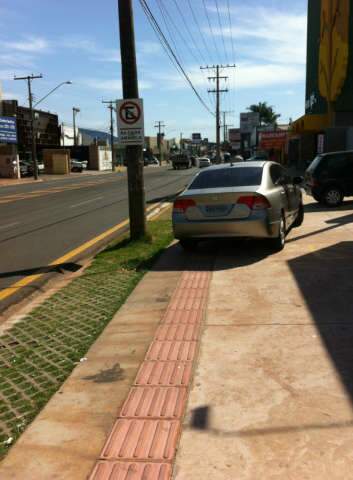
(130, 121)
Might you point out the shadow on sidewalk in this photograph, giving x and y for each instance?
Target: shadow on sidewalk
(201, 419)
(325, 279)
(235, 253)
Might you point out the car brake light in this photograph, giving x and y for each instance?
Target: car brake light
(181, 205)
(254, 202)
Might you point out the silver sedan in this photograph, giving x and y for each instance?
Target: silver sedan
(256, 199)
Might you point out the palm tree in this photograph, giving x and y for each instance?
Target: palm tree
(267, 114)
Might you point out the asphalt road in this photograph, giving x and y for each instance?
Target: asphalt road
(41, 222)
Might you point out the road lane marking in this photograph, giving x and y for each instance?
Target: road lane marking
(7, 292)
(9, 225)
(85, 202)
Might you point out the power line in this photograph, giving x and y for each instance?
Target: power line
(199, 29)
(189, 31)
(165, 14)
(170, 24)
(211, 30)
(233, 49)
(221, 30)
(164, 41)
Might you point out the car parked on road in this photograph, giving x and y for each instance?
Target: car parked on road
(204, 162)
(24, 170)
(239, 200)
(329, 178)
(76, 166)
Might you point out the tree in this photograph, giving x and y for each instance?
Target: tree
(267, 115)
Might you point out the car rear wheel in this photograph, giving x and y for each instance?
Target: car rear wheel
(333, 197)
(300, 216)
(279, 242)
(189, 244)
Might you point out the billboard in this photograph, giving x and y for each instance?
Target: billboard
(248, 121)
(273, 140)
(234, 135)
(196, 138)
(8, 130)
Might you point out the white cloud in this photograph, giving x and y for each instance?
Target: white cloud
(267, 34)
(109, 85)
(28, 44)
(148, 48)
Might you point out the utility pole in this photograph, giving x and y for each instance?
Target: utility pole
(75, 110)
(29, 79)
(218, 91)
(181, 141)
(160, 125)
(136, 189)
(112, 109)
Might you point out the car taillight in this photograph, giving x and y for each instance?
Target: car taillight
(181, 205)
(254, 202)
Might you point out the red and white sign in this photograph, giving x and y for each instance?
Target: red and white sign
(273, 140)
(130, 121)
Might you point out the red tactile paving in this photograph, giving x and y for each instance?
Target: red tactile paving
(154, 402)
(172, 351)
(164, 374)
(181, 332)
(142, 440)
(187, 303)
(131, 471)
(182, 316)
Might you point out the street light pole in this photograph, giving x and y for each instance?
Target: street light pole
(29, 79)
(68, 82)
(75, 110)
(112, 109)
(136, 189)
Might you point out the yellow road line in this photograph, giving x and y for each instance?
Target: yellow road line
(7, 292)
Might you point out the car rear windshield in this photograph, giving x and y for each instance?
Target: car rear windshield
(314, 164)
(227, 178)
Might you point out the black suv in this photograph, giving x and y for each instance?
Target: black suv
(329, 177)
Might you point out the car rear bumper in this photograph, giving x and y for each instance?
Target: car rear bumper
(256, 227)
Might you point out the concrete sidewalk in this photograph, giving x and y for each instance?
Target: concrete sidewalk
(271, 396)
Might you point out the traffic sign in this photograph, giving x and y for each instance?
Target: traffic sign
(130, 121)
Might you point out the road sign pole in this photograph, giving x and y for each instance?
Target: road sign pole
(136, 190)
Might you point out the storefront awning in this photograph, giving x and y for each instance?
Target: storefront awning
(310, 123)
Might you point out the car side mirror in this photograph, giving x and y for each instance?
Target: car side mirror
(298, 180)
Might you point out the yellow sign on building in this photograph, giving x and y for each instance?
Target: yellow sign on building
(334, 47)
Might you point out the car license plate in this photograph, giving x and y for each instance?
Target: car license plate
(214, 210)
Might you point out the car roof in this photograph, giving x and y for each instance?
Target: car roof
(257, 163)
(339, 152)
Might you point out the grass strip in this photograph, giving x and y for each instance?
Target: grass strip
(38, 353)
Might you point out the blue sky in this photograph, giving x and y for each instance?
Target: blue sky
(78, 40)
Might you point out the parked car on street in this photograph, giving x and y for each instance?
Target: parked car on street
(329, 178)
(76, 166)
(24, 170)
(204, 162)
(239, 200)
(181, 161)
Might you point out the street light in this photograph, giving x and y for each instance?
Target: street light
(68, 82)
(75, 110)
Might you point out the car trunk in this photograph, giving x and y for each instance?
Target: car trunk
(217, 204)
